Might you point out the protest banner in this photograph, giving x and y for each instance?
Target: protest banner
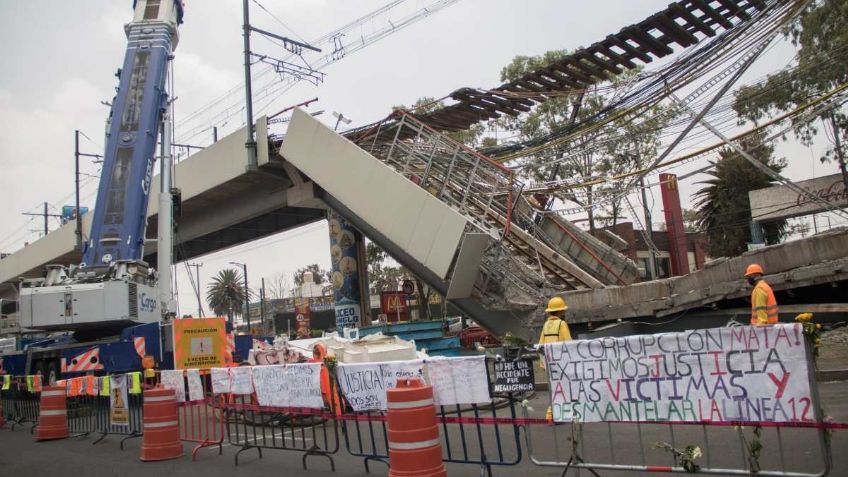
(459, 380)
(173, 379)
(514, 376)
(119, 413)
(364, 385)
(199, 343)
(289, 385)
(754, 374)
(195, 385)
(241, 380)
(220, 380)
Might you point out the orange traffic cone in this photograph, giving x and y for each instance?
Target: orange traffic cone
(414, 446)
(161, 426)
(53, 415)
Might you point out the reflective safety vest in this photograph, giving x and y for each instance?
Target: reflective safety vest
(105, 387)
(763, 305)
(555, 330)
(135, 382)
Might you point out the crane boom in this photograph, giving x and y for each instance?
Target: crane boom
(113, 288)
(120, 213)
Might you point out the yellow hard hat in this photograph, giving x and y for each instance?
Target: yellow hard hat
(556, 304)
(754, 268)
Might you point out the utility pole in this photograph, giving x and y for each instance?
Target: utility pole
(78, 231)
(197, 281)
(248, 91)
(649, 232)
(288, 44)
(262, 304)
(46, 216)
(77, 155)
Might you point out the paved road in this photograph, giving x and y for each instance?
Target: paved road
(19, 455)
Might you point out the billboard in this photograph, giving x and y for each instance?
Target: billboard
(199, 343)
(344, 252)
(303, 317)
(780, 202)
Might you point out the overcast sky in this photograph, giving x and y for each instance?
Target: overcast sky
(59, 59)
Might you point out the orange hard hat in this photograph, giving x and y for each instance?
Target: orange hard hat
(754, 268)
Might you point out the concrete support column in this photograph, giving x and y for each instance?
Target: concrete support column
(349, 274)
(757, 233)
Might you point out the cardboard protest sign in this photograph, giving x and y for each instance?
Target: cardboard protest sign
(289, 385)
(459, 380)
(195, 385)
(365, 384)
(514, 376)
(173, 379)
(720, 374)
(241, 380)
(220, 380)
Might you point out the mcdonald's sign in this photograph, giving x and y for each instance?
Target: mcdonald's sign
(394, 306)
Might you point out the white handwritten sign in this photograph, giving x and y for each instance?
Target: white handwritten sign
(459, 380)
(220, 380)
(365, 384)
(195, 385)
(241, 380)
(721, 374)
(173, 379)
(290, 385)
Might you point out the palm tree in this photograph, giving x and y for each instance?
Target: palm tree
(723, 208)
(226, 293)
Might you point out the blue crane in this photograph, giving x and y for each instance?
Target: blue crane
(120, 213)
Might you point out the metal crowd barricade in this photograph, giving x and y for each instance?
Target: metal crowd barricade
(202, 422)
(135, 404)
(726, 446)
(89, 411)
(85, 410)
(20, 404)
(485, 435)
(313, 432)
(7, 400)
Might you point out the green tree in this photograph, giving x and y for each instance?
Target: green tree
(724, 211)
(820, 34)
(319, 275)
(385, 277)
(593, 151)
(226, 294)
(691, 220)
(381, 275)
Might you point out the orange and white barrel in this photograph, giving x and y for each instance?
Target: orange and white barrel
(53, 414)
(161, 426)
(415, 449)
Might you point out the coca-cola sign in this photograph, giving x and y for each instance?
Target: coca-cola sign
(780, 202)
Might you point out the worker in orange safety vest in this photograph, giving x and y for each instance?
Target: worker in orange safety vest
(331, 398)
(763, 304)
